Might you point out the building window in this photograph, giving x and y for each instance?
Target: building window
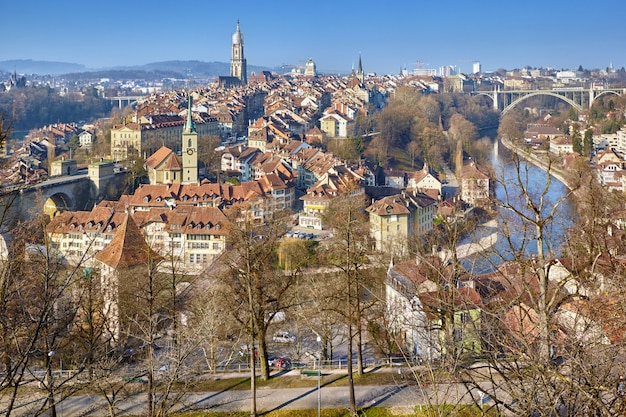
(465, 317)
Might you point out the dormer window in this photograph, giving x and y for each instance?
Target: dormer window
(199, 226)
(109, 228)
(217, 226)
(146, 199)
(90, 225)
(195, 198)
(185, 198)
(208, 226)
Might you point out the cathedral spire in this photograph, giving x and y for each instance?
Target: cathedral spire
(238, 66)
(189, 127)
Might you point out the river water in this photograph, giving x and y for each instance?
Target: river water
(510, 233)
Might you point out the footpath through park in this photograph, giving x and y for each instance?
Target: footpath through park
(400, 395)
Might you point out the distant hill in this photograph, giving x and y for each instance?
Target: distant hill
(196, 69)
(191, 68)
(28, 66)
(174, 69)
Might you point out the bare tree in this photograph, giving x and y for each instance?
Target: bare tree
(348, 250)
(546, 350)
(257, 289)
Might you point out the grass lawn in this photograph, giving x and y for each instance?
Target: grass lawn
(449, 411)
(296, 381)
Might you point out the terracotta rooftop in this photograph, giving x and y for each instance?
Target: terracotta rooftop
(128, 248)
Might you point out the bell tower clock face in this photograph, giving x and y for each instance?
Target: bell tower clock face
(190, 151)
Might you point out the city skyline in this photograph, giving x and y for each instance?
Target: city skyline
(537, 34)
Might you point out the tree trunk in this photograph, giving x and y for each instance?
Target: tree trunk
(359, 342)
(353, 412)
(263, 358)
(542, 302)
(252, 362)
(150, 403)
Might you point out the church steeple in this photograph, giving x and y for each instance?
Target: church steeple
(359, 70)
(189, 124)
(190, 149)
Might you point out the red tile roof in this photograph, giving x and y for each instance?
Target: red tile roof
(128, 248)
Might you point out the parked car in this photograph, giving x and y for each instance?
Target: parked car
(244, 350)
(281, 363)
(283, 337)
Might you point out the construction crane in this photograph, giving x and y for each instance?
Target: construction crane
(420, 63)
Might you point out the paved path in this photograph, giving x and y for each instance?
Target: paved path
(268, 399)
(239, 400)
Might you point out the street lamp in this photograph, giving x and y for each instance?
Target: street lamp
(53, 411)
(319, 377)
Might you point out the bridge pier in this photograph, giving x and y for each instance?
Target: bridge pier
(495, 98)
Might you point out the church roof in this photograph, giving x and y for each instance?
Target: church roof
(158, 157)
(172, 163)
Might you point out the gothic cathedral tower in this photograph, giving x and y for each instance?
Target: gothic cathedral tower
(190, 149)
(238, 62)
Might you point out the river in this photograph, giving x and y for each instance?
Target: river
(521, 241)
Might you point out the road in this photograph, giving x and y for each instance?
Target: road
(401, 395)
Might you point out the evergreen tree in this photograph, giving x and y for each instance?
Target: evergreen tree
(576, 139)
(587, 142)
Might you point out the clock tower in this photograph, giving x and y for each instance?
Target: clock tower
(190, 149)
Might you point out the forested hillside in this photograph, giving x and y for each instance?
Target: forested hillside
(34, 107)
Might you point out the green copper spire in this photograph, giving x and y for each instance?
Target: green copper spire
(189, 127)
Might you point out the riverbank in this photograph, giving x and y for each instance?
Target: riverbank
(530, 157)
(466, 250)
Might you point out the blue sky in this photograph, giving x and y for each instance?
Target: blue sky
(389, 36)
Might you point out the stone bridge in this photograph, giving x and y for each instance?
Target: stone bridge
(80, 190)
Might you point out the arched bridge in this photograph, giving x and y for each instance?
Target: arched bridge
(577, 97)
(79, 191)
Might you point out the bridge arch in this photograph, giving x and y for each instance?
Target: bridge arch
(57, 203)
(486, 94)
(605, 92)
(539, 93)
